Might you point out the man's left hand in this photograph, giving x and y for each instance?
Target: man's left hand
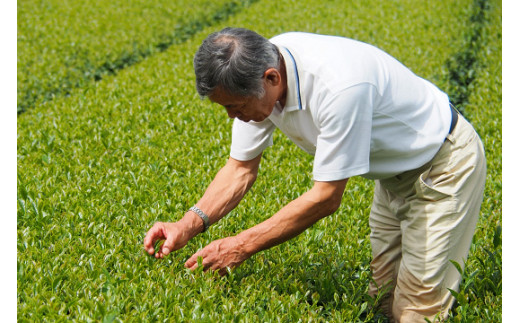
(219, 255)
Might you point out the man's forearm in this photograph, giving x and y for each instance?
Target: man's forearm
(293, 219)
(225, 191)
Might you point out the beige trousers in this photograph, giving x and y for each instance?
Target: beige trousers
(422, 219)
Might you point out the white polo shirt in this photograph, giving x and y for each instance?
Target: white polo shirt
(355, 108)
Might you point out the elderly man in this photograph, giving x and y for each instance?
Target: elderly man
(360, 113)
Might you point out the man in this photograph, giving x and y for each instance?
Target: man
(360, 113)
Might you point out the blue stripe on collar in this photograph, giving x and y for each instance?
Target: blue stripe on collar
(297, 79)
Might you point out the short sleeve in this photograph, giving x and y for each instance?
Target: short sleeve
(249, 139)
(345, 123)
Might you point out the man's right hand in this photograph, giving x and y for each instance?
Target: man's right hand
(176, 236)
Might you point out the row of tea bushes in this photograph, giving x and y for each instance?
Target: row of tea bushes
(480, 297)
(66, 44)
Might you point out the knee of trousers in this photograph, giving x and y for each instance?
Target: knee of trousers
(416, 298)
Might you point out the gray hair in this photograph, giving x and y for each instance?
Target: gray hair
(234, 59)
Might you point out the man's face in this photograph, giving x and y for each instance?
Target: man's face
(250, 107)
(244, 108)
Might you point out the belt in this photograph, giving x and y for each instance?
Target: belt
(454, 117)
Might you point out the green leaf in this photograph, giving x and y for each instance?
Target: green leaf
(110, 317)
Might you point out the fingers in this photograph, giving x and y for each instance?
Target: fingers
(173, 234)
(191, 263)
(213, 258)
(207, 262)
(155, 233)
(168, 246)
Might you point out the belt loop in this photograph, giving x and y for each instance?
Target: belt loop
(450, 138)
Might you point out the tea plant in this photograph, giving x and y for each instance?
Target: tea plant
(480, 297)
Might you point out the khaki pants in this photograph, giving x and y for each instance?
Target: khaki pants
(422, 219)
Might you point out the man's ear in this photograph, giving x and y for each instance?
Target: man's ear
(272, 75)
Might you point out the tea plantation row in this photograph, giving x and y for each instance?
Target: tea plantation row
(66, 44)
(480, 298)
(98, 167)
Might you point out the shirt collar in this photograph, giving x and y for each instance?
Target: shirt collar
(294, 99)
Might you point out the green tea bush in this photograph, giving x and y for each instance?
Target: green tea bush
(462, 67)
(480, 297)
(65, 44)
(98, 167)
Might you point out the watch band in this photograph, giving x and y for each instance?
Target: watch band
(202, 215)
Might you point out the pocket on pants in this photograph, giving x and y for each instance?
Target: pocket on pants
(427, 190)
